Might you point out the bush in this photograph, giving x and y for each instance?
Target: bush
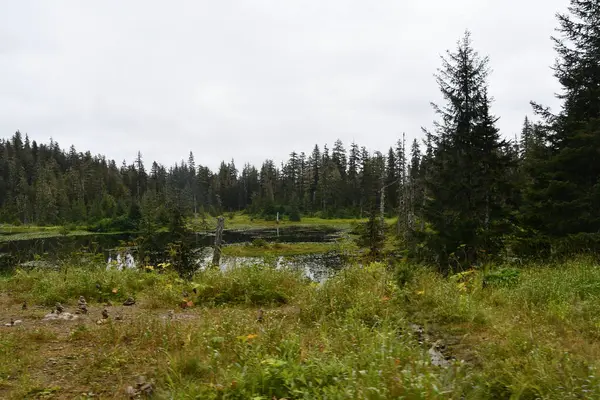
(404, 273)
(295, 215)
(259, 242)
(119, 224)
(503, 277)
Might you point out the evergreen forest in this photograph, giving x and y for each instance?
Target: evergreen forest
(462, 192)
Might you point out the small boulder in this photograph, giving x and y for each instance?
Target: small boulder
(129, 302)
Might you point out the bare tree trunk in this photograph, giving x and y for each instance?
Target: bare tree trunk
(382, 206)
(218, 239)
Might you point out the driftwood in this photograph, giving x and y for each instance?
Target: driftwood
(218, 240)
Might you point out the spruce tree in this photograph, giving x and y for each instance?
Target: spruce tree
(564, 194)
(466, 177)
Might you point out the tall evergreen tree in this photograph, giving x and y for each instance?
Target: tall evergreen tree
(564, 194)
(466, 182)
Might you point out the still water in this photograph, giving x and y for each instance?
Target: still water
(119, 250)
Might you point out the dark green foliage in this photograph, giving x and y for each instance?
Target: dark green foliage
(564, 186)
(118, 224)
(466, 179)
(372, 233)
(294, 215)
(260, 242)
(502, 277)
(468, 197)
(46, 185)
(404, 273)
(179, 250)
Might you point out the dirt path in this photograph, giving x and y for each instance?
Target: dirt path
(87, 357)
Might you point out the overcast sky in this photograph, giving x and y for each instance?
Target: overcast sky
(256, 79)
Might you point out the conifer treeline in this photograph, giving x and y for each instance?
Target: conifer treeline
(43, 184)
(471, 193)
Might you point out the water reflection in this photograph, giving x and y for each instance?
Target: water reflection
(119, 250)
(316, 267)
(118, 262)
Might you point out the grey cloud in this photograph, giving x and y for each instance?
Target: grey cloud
(251, 80)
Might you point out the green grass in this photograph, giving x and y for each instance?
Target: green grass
(279, 249)
(535, 336)
(40, 235)
(244, 222)
(521, 334)
(10, 233)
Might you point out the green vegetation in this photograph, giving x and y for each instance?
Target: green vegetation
(468, 325)
(243, 221)
(471, 196)
(535, 336)
(261, 248)
(10, 233)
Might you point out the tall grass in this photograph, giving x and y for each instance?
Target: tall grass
(535, 337)
(514, 333)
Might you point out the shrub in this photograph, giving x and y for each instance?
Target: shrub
(502, 277)
(295, 215)
(119, 224)
(404, 273)
(260, 242)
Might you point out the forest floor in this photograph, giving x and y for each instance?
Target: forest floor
(367, 333)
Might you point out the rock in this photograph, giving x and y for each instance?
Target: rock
(82, 310)
(118, 317)
(82, 306)
(13, 322)
(143, 386)
(63, 316)
(129, 302)
(437, 357)
(417, 329)
(140, 381)
(146, 389)
(169, 315)
(131, 392)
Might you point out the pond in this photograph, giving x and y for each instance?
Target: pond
(120, 249)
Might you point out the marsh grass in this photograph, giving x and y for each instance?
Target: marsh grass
(244, 221)
(533, 336)
(279, 249)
